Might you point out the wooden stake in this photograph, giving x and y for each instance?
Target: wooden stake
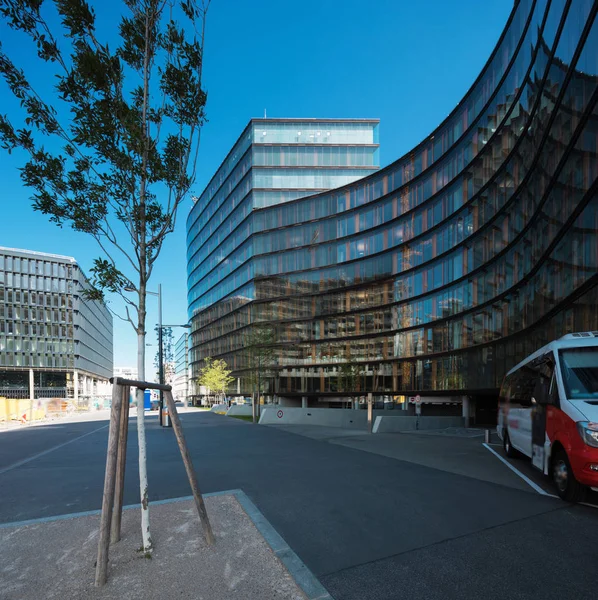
(109, 482)
(121, 460)
(180, 438)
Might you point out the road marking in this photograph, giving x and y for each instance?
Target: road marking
(35, 456)
(527, 480)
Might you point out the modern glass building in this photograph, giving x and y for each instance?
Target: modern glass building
(439, 272)
(180, 383)
(53, 342)
(275, 161)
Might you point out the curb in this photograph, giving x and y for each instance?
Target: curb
(302, 575)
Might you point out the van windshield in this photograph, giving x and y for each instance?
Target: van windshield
(580, 372)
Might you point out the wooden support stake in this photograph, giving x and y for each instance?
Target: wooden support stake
(120, 466)
(109, 481)
(180, 438)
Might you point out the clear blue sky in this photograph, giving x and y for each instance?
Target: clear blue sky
(406, 63)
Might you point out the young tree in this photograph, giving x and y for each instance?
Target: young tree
(216, 376)
(261, 356)
(111, 148)
(167, 354)
(348, 375)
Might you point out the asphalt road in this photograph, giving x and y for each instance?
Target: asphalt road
(369, 526)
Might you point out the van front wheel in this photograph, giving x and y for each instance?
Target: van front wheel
(508, 447)
(567, 487)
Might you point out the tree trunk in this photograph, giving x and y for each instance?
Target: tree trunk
(143, 277)
(143, 486)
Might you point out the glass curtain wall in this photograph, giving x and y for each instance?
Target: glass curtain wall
(445, 269)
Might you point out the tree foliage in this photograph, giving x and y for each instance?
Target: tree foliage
(349, 375)
(216, 376)
(111, 149)
(167, 353)
(107, 122)
(260, 355)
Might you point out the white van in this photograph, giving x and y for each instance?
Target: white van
(548, 411)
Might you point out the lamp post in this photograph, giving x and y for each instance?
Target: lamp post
(160, 346)
(161, 373)
(161, 361)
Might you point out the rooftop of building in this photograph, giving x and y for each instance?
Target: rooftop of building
(265, 120)
(309, 120)
(36, 254)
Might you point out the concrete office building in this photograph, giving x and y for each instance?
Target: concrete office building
(53, 342)
(441, 271)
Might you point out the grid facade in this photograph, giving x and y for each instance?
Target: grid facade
(274, 161)
(438, 273)
(181, 368)
(47, 325)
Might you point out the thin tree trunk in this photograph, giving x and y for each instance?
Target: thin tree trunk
(143, 276)
(143, 486)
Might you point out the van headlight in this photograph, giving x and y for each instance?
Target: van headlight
(588, 433)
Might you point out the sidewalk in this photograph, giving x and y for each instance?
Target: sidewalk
(454, 450)
(55, 558)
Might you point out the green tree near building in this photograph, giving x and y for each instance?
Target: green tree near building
(216, 376)
(107, 122)
(167, 354)
(261, 358)
(349, 375)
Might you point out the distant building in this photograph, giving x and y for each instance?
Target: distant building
(181, 369)
(273, 164)
(53, 342)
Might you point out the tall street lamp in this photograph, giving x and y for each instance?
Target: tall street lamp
(160, 366)
(160, 346)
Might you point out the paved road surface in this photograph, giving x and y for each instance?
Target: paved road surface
(368, 525)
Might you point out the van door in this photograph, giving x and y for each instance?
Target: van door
(519, 421)
(538, 426)
(541, 398)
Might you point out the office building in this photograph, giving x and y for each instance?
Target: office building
(181, 379)
(275, 161)
(54, 343)
(439, 272)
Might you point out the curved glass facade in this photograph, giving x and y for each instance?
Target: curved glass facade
(438, 273)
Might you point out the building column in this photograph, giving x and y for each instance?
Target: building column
(76, 385)
(466, 410)
(304, 402)
(356, 404)
(31, 385)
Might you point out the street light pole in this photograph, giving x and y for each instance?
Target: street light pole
(161, 328)
(160, 355)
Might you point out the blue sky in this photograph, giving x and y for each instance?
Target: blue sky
(406, 63)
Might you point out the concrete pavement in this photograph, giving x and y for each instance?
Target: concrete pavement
(358, 519)
(462, 454)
